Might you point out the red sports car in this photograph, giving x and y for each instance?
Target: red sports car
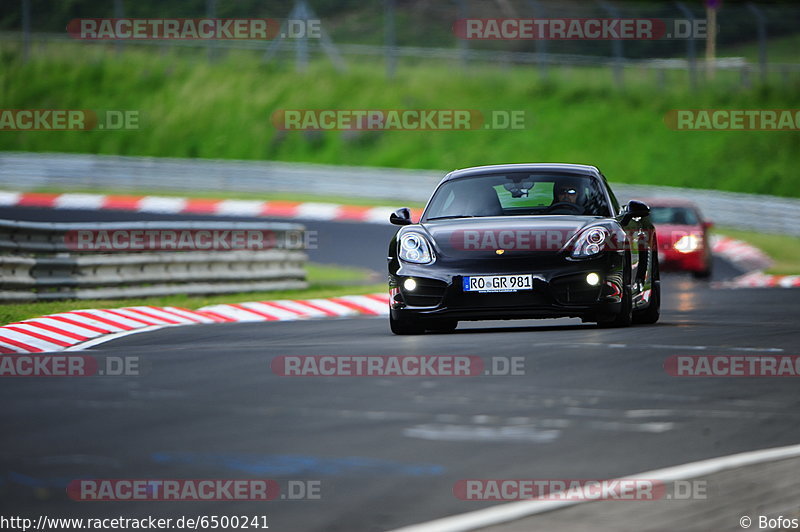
(682, 235)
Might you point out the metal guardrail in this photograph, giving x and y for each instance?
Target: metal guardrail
(25, 171)
(38, 263)
(760, 213)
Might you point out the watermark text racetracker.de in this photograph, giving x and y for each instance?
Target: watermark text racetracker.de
(396, 366)
(209, 239)
(579, 28)
(549, 489)
(397, 119)
(70, 365)
(205, 489)
(523, 238)
(733, 365)
(733, 119)
(69, 119)
(93, 29)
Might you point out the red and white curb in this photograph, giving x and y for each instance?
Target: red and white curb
(83, 328)
(752, 260)
(218, 207)
(744, 255)
(761, 280)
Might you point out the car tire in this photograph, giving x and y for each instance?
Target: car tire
(443, 326)
(704, 274)
(404, 327)
(625, 316)
(651, 314)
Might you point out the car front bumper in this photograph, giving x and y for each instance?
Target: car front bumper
(559, 289)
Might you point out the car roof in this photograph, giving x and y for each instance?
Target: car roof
(524, 167)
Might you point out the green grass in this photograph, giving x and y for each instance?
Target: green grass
(324, 281)
(191, 108)
(784, 250)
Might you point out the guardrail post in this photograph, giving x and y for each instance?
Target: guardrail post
(211, 12)
(616, 44)
(301, 51)
(761, 27)
(26, 30)
(463, 44)
(691, 46)
(711, 38)
(390, 38)
(119, 12)
(746, 77)
(541, 44)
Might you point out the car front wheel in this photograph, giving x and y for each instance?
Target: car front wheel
(625, 316)
(651, 314)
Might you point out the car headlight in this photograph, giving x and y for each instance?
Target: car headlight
(687, 244)
(415, 248)
(590, 243)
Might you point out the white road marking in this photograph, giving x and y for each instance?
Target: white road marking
(439, 432)
(505, 513)
(652, 427)
(677, 347)
(721, 414)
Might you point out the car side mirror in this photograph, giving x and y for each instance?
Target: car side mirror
(635, 209)
(401, 216)
(708, 225)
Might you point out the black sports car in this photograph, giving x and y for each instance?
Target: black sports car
(523, 241)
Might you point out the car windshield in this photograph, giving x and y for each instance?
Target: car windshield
(518, 194)
(673, 216)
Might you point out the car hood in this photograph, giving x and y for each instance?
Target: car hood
(514, 235)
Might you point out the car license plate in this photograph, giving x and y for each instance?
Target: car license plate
(498, 283)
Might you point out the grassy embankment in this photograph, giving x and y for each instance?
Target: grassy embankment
(190, 108)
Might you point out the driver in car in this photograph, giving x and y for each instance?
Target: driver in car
(567, 197)
(565, 193)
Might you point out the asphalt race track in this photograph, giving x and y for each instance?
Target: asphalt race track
(591, 403)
